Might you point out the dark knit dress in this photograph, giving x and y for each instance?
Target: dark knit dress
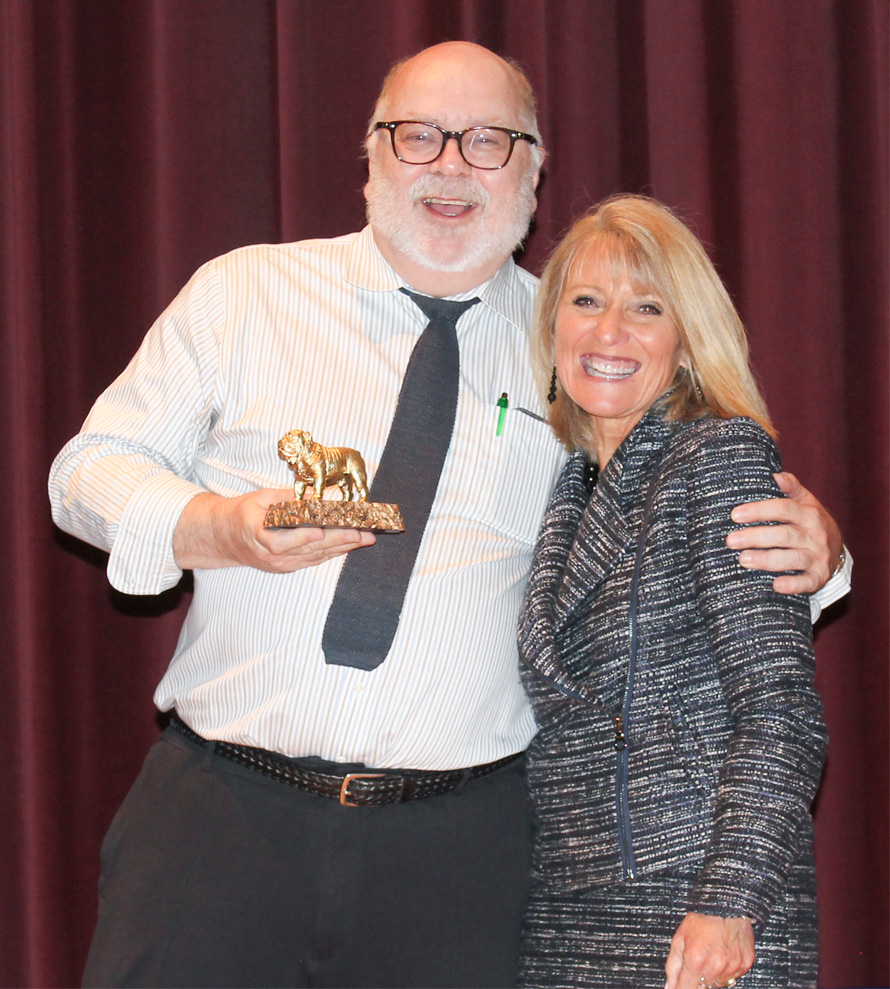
(698, 798)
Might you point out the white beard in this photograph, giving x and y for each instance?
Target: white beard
(498, 229)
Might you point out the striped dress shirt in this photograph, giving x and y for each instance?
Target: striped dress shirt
(315, 335)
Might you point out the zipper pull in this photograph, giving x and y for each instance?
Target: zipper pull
(620, 743)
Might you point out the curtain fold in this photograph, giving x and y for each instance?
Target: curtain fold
(19, 496)
(140, 138)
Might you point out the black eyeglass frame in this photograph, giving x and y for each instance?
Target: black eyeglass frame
(458, 135)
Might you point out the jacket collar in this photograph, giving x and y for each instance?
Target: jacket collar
(581, 540)
(603, 530)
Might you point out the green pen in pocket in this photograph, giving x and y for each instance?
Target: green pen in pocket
(502, 413)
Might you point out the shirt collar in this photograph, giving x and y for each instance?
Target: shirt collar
(503, 292)
(507, 296)
(367, 268)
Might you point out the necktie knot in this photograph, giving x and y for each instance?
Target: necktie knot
(433, 308)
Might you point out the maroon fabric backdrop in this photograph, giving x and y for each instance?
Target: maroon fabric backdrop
(142, 137)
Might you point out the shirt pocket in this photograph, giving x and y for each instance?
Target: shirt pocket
(505, 481)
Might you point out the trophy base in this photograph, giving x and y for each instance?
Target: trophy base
(376, 516)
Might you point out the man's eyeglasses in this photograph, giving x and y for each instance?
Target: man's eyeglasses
(417, 143)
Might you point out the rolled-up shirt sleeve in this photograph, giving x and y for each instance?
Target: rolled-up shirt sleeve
(122, 483)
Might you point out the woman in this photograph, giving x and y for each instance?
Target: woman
(681, 738)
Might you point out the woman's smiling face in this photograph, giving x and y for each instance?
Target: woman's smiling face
(615, 348)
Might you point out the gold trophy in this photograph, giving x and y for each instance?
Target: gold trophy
(320, 467)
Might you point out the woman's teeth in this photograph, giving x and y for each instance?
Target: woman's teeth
(611, 370)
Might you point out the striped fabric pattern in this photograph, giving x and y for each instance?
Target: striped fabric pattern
(315, 335)
(725, 732)
(618, 937)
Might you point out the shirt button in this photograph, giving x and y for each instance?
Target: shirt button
(360, 688)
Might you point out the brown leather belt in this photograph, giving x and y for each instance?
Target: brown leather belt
(351, 789)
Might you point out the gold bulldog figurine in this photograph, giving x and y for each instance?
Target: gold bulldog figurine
(317, 468)
(322, 466)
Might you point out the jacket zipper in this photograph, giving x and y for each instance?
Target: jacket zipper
(622, 755)
(622, 807)
(621, 721)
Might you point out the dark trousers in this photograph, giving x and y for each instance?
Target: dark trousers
(213, 875)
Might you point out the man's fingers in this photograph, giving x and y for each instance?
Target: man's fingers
(776, 559)
(291, 549)
(214, 531)
(798, 583)
(287, 550)
(764, 537)
(790, 486)
(803, 525)
(807, 580)
(771, 510)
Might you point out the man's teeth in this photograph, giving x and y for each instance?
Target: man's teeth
(614, 371)
(449, 207)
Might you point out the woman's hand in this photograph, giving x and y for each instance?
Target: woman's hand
(709, 951)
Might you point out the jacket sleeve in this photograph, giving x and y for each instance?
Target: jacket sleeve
(762, 642)
(122, 483)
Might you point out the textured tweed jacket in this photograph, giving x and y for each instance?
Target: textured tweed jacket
(687, 737)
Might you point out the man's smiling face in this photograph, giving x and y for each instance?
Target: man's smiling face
(446, 216)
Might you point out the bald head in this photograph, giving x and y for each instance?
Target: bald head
(459, 66)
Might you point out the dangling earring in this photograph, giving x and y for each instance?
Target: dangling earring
(693, 377)
(551, 395)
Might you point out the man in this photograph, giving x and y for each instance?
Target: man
(236, 860)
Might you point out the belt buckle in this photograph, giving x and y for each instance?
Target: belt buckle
(347, 779)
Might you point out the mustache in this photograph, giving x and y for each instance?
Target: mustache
(441, 187)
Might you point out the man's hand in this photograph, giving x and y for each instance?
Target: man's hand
(709, 950)
(807, 539)
(215, 532)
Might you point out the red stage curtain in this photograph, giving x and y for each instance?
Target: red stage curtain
(142, 137)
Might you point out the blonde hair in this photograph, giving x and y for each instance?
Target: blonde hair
(658, 252)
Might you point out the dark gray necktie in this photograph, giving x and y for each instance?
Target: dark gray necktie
(364, 614)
